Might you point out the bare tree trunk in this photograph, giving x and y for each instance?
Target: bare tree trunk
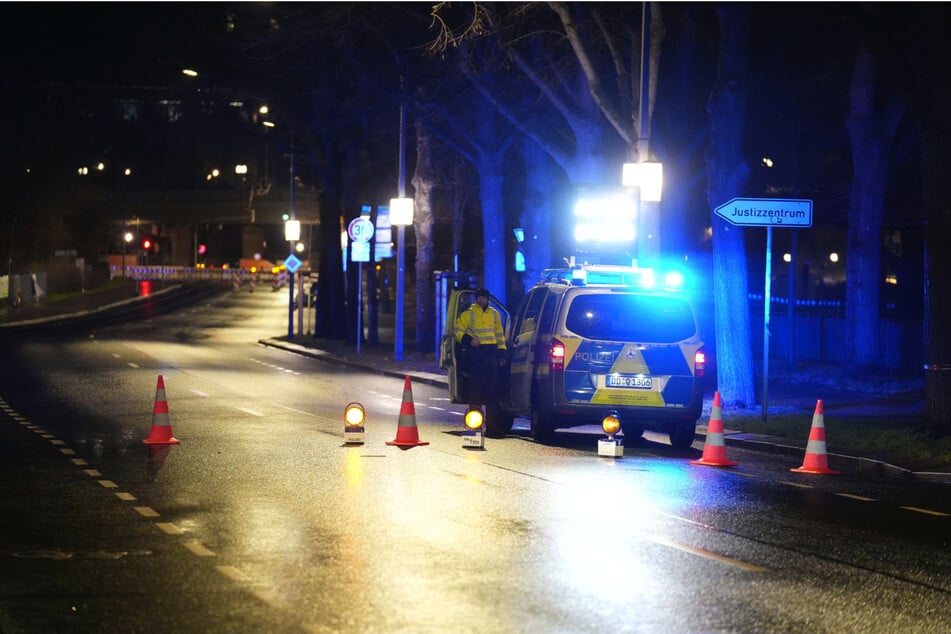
(871, 136)
(423, 228)
(727, 173)
(938, 211)
(536, 211)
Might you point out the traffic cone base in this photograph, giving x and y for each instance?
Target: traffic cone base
(714, 449)
(816, 460)
(407, 435)
(161, 431)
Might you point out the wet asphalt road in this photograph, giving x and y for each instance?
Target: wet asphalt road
(262, 520)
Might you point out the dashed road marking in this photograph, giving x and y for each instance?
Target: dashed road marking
(798, 485)
(250, 411)
(272, 598)
(108, 484)
(146, 511)
(169, 529)
(925, 511)
(79, 462)
(856, 497)
(93, 473)
(198, 392)
(233, 573)
(133, 366)
(198, 549)
(125, 497)
(67, 452)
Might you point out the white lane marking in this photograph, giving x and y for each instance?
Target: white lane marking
(198, 392)
(925, 511)
(92, 473)
(67, 452)
(196, 548)
(79, 462)
(703, 552)
(116, 356)
(249, 411)
(272, 598)
(169, 528)
(440, 409)
(856, 497)
(458, 413)
(133, 366)
(125, 497)
(108, 484)
(796, 484)
(146, 511)
(233, 573)
(57, 442)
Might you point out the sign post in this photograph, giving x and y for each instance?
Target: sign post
(360, 231)
(769, 213)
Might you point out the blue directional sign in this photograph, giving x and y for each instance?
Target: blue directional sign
(767, 212)
(292, 263)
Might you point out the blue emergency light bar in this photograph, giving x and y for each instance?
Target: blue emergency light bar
(602, 275)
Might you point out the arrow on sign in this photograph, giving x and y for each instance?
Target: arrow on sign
(767, 212)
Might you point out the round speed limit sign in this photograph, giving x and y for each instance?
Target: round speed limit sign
(360, 230)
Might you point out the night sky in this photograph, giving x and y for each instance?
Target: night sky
(107, 42)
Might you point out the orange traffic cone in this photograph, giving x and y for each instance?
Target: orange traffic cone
(816, 460)
(406, 434)
(161, 432)
(714, 450)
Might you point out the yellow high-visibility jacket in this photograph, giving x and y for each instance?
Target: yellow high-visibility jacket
(484, 325)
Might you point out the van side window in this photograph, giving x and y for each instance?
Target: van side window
(532, 308)
(548, 313)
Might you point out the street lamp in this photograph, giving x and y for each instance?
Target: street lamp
(126, 239)
(401, 215)
(292, 235)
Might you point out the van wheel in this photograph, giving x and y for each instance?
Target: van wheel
(682, 435)
(542, 431)
(497, 423)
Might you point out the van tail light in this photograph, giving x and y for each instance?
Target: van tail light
(557, 355)
(699, 362)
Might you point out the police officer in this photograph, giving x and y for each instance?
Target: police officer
(479, 330)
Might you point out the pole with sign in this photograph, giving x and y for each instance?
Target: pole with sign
(769, 213)
(360, 231)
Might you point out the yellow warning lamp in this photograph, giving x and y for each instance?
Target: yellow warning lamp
(474, 418)
(254, 269)
(472, 437)
(611, 424)
(353, 418)
(354, 415)
(612, 446)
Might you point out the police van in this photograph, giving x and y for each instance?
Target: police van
(591, 341)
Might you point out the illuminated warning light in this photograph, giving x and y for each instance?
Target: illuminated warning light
(354, 415)
(202, 249)
(557, 355)
(612, 446)
(474, 418)
(146, 244)
(472, 437)
(699, 362)
(353, 418)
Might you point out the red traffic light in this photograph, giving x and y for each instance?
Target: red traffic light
(146, 244)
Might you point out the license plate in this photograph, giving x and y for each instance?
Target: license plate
(621, 380)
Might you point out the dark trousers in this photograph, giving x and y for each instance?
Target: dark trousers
(482, 364)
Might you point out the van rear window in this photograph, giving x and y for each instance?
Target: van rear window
(629, 317)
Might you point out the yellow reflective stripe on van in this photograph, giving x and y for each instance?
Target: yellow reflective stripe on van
(643, 398)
